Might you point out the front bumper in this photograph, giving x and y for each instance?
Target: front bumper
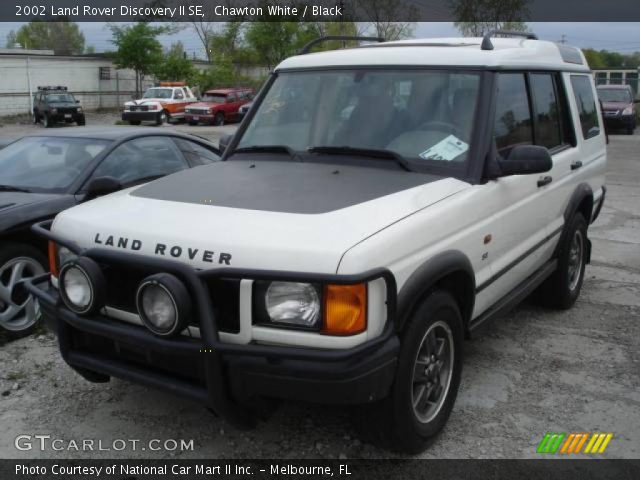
(197, 117)
(65, 117)
(149, 116)
(619, 121)
(220, 375)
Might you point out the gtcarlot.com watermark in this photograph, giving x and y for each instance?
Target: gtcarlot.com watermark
(45, 443)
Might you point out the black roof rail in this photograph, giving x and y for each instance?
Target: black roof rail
(486, 40)
(328, 38)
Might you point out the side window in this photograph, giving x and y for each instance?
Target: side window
(178, 95)
(586, 103)
(142, 158)
(512, 124)
(231, 98)
(547, 118)
(196, 153)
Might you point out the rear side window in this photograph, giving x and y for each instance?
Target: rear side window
(586, 103)
(512, 125)
(547, 118)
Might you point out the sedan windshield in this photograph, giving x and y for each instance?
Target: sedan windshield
(158, 93)
(614, 95)
(46, 164)
(424, 117)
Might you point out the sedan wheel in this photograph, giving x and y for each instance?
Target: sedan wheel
(18, 318)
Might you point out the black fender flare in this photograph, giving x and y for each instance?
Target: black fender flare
(582, 191)
(429, 274)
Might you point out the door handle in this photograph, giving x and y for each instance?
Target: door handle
(546, 180)
(576, 165)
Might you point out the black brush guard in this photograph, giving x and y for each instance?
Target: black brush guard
(215, 392)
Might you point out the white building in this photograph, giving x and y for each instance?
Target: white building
(93, 79)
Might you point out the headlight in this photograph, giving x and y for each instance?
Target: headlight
(164, 304)
(79, 110)
(292, 303)
(627, 111)
(82, 285)
(54, 111)
(127, 108)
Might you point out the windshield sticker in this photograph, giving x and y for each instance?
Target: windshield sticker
(446, 149)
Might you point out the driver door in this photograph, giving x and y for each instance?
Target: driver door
(519, 212)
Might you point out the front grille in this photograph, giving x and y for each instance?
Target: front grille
(611, 113)
(66, 110)
(123, 282)
(198, 111)
(139, 108)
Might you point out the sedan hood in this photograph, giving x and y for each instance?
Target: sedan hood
(265, 214)
(204, 104)
(614, 105)
(18, 208)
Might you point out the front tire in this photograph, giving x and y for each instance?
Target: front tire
(218, 120)
(562, 289)
(163, 117)
(427, 379)
(18, 262)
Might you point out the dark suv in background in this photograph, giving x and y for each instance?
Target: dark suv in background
(618, 106)
(55, 104)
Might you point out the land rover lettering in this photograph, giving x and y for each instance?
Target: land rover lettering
(161, 249)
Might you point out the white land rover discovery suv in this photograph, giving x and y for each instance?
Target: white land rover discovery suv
(375, 206)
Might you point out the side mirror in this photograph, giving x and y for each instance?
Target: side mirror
(524, 160)
(225, 140)
(77, 101)
(102, 186)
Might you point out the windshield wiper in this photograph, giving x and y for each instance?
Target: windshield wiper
(266, 149)
(362, 152)
(10, 188)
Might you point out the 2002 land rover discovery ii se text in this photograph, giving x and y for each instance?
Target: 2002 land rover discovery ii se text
(376, 205)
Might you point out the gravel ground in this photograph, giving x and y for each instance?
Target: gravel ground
(534, 371)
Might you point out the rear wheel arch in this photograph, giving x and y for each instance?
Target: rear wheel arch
(581, 201)
(450, 271)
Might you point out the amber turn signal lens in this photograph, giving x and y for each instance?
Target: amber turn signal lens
(345, 309)
(53, 258)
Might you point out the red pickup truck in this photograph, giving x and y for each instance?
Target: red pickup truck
(218, 106)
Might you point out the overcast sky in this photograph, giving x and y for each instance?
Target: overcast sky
(621, 37)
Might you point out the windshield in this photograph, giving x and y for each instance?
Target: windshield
(60, 97)
(158, 93)
(424, 116)
(46, 164)
(214, 97)
(614, 95)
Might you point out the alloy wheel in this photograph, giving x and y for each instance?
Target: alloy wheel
(14, 317)
(575, 263)
(432, 371)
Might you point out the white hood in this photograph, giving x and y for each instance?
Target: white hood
(296, 236)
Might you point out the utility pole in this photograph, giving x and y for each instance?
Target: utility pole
(29, 87)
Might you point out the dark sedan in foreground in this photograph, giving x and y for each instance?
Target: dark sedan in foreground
(42, 175)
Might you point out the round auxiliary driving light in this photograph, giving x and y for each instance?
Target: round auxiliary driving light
(82, 286)
(164, 304)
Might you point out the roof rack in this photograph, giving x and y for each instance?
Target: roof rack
(307, 48)
(486, 40)
(49, 87)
